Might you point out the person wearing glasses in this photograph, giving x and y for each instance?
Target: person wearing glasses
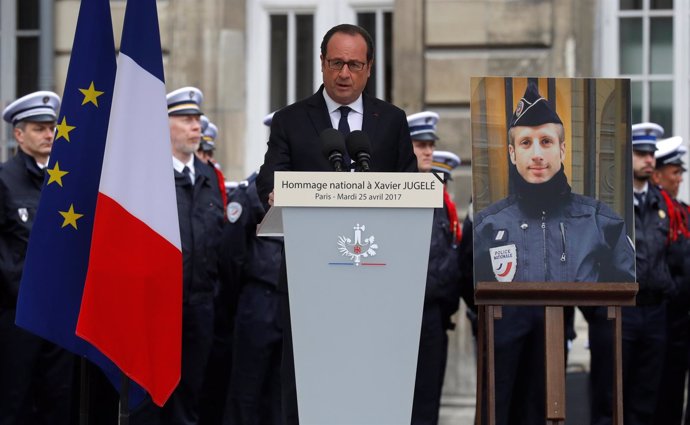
(347, 57)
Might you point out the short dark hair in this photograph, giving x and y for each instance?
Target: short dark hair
(350, 30)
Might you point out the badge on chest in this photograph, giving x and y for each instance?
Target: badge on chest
(504, 262)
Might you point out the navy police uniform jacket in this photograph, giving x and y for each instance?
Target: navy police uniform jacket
(254, 260)
(20, 191)
(200, 212)
(572, 239)
(651, 244)
(443, 275)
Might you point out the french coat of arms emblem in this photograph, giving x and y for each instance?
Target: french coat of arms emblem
(357, 248)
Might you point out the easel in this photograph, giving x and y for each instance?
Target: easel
(491, 296)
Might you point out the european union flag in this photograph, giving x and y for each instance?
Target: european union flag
(54, 273)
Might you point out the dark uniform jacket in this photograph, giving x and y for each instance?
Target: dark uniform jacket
(443, 274)
(651, 246)
(255, 260)
(572, 238)
(200, 213)
(20, 191)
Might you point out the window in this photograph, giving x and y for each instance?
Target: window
(379, 24)
(28, 33)
(646, 56)
(648, 41)
(292, 58)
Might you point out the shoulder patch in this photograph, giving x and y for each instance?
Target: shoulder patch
(234, 211)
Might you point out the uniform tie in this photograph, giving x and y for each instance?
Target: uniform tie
(344, 129)
(641, 198)
(188, 174)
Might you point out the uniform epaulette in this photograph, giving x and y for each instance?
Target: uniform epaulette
(678, 218)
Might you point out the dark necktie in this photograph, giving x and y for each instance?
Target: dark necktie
(641, 198)
(188, 174)
(343, 125)
(344, 129)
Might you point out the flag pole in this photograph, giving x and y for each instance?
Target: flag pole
(84, 391)
(123, 418)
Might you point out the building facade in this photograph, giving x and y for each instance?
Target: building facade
(251, 57)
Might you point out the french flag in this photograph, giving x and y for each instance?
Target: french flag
(131, 307)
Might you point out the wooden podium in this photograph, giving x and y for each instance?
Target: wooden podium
(490, 296)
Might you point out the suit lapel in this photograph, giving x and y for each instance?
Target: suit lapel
(370, 120)
(318, 112)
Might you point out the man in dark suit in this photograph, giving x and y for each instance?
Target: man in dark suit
(347, 55)
(294, 144)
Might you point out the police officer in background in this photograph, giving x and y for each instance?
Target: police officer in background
(200, 213)
(443, 276)
(644, 325)
(207, 146)
(668, 175)
(542, 232)
(35, 375)
(254, 396)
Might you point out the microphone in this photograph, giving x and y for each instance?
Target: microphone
(333, 147)
(359, 148)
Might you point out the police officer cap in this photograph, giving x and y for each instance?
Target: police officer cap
(268, 119)
(204, 123)
(445, 162)
(210, 133)
(670, 152)
(185, 101)
(645, 135)
(423, 126)
(533, 110)
(40, 106)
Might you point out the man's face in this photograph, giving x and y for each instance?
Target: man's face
(669, 178)
(345, 86)
(424, 150)
(185, 133)
(643, 164)
(537, 152)
(36, 139)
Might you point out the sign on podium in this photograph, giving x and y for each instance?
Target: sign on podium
(357, 249)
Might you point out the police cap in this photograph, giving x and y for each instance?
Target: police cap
(645, 135)
(185, 101)
(40, 106)
(533, 110)
(445, 162)
(423, 126)
(670, 152)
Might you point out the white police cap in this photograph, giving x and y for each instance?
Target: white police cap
(204, 123)
(645, 135)
(268, 119)
(423, 125)
(210, 132)
(445, 162)
(670, 152)
(40, 106)
(185, 101)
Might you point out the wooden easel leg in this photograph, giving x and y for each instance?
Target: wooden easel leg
(481, 347)
(554, 364)
(614, 313)
(492, 312)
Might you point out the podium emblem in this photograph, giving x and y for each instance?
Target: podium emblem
(356, 249)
